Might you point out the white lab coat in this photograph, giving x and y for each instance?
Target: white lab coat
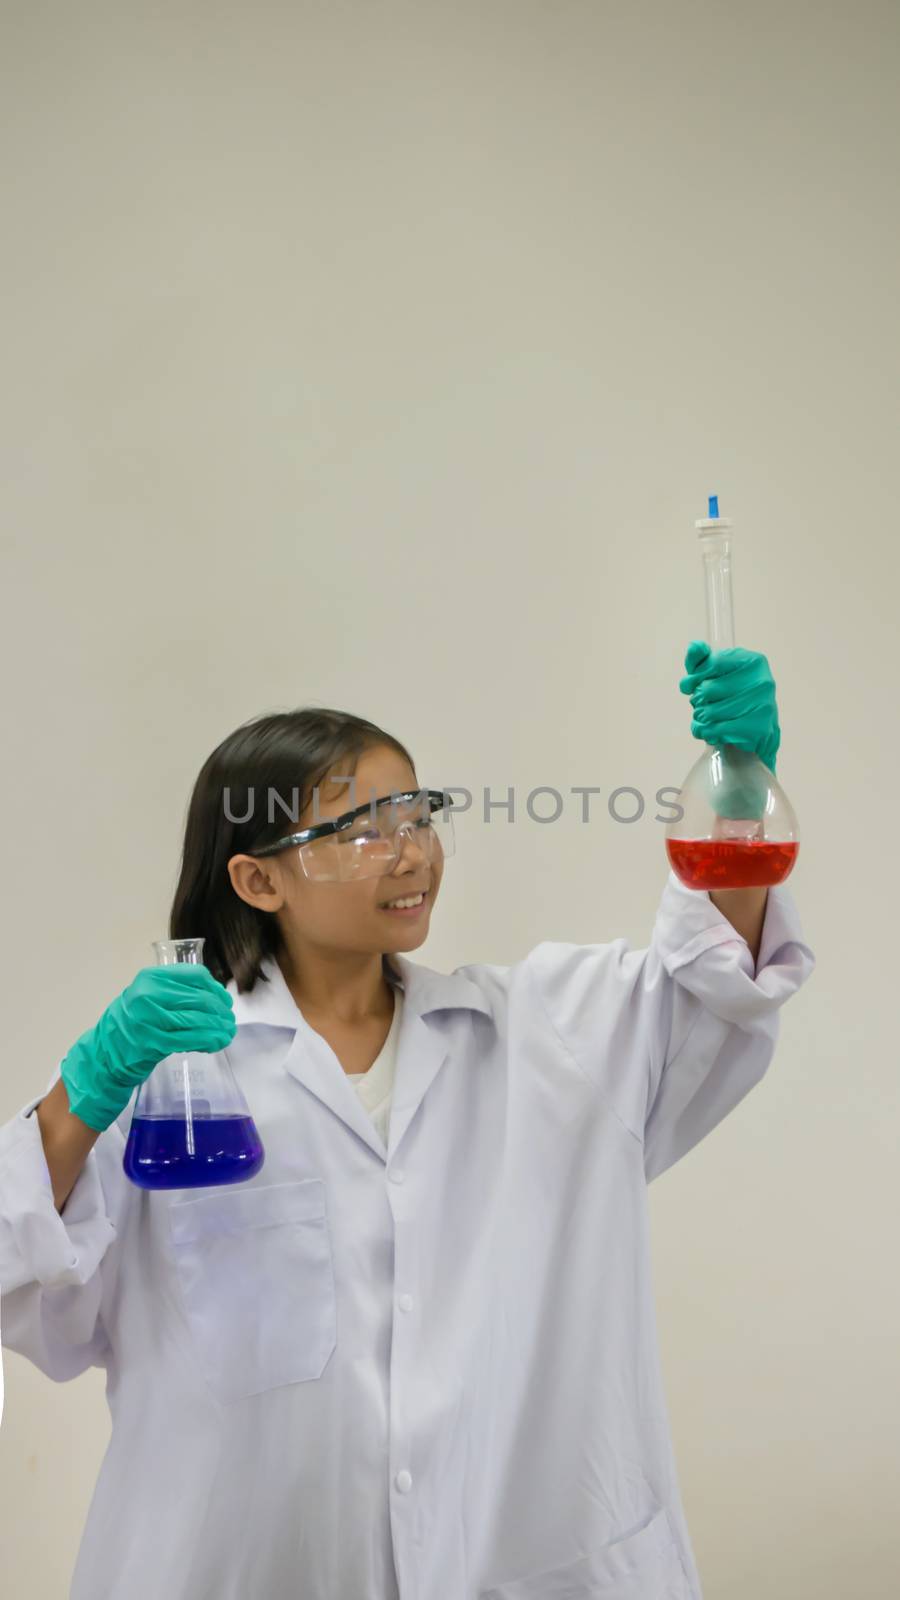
(430, 1370)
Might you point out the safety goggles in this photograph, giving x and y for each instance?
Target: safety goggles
(366, 842)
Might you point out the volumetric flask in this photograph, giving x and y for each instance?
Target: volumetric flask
(191, 1126)
(737, 829)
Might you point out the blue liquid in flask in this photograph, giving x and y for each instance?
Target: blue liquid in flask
(162, 1153)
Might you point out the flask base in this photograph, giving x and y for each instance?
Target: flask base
(170, 1153)
(731, 863)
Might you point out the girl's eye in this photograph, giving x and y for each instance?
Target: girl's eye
(374, 833)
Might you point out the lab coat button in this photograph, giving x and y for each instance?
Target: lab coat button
(403, 1481)
(405, 1302)
(396, 1174)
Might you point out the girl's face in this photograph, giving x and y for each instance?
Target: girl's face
(348, 915)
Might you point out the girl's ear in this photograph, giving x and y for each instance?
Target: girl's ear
(256, 882)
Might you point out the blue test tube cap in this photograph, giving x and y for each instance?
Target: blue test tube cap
(714, 505)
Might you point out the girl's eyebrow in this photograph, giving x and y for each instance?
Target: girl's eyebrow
(366, 805)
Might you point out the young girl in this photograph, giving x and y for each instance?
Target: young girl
(415, 1355)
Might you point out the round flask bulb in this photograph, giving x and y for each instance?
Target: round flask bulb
(737, 828)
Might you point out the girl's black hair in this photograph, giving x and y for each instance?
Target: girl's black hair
(283, 752)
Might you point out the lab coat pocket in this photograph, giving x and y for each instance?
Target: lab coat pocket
(570, 1582)
(642, 1564)
(257, 1280)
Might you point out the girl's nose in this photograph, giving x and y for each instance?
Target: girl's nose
(405, 837)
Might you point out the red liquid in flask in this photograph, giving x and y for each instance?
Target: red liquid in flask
(732, 863)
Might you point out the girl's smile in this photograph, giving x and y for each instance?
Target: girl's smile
(407, 911)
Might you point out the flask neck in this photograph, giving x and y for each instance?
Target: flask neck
(716, 551)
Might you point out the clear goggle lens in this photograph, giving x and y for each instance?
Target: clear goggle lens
(370, 846)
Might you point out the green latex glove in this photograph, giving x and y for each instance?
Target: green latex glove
(163, 1011)
(733, 696)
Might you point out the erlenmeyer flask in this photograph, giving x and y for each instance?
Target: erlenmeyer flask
(737, 828)
(191, 1125)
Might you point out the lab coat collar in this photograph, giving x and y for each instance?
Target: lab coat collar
(421, 1050)
(424, 990)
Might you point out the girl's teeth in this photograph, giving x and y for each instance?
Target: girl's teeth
(401, 903)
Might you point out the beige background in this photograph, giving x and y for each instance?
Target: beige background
(382, 355)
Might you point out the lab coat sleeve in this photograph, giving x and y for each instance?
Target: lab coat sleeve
(52, 1264)
(674, 1036)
